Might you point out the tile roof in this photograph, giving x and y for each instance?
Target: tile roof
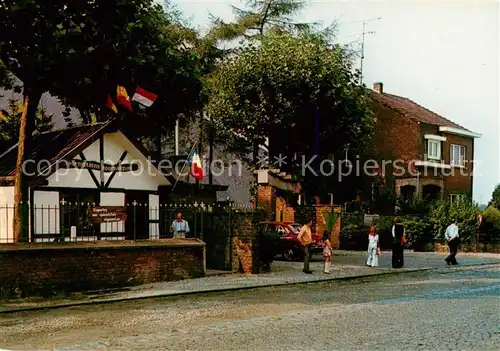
(413, 110)
(52, 146)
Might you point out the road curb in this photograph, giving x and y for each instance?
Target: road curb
(237, 288)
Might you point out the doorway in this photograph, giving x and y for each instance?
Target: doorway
(137, 224)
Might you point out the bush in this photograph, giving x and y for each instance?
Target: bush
(491, 218)
(442, 212)
(418, 233)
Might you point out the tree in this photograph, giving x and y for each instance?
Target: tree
(10, 119)
(79, 51)
(298, 90)
(259, 17)
(495, 198)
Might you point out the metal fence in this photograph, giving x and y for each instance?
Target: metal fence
(67, 222)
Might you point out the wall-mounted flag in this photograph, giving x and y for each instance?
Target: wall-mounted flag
(196, 166)
(144, 97)
(110, 104)
(122, 97)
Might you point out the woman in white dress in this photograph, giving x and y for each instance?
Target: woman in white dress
(373, 248)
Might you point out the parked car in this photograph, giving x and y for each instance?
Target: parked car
(289, 247)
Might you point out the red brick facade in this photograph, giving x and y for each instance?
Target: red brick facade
(401, 130)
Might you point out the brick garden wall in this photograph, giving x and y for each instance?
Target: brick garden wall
(244, 243)
(48, 269)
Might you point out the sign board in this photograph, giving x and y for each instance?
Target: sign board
(106, 214)
(369, 219)
(97, 166)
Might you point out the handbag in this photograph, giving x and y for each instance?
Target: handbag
(378, 251)
(403, 240)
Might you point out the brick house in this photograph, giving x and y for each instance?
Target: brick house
(434, 155)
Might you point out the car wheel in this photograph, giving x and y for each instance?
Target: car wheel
(289, 254)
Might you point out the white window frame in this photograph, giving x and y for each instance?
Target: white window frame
(437, 143)
(461, 155)
(456, 197)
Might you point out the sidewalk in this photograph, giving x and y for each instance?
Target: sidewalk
(346, 265)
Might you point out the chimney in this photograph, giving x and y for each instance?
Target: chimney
(378, 87)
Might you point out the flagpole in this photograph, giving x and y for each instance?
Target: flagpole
(183, 166)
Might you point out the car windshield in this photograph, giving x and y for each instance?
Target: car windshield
(295, 228)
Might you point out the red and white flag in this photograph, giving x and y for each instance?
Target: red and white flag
(144, 97)
(196, 167)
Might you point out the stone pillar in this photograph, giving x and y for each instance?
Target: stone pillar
(244, 245)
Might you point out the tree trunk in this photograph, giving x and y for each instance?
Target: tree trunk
(21, 190)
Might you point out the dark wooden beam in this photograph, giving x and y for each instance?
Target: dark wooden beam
(122, 157)
(90, 172)
(101, 158)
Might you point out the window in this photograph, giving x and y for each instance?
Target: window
(457, 155)
(434, 149)
(76, 205)
(456, 197)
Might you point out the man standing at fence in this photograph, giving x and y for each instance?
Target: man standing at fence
(305, 239)
(179, 226)
(451, 236)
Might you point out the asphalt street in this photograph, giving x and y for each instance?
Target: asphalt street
(446, 309)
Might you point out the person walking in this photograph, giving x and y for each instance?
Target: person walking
(327, 251)
(398, 235)
(373, 248)
(179, 227)
(451, 235)
(305, 239)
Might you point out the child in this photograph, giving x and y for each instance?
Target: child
(327, 251)
(373, 248)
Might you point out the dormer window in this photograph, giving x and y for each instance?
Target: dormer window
(434, 146)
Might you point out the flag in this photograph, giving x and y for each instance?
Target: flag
(110, 104)
(144, 97)
(122, 97)
(196, 166)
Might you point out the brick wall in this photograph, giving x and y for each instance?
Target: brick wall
(266, 199)
(45, 270)
(458, 180)
(284, 212)
(244, 246)
(396, 135)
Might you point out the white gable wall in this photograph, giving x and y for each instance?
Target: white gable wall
(6, 214)
(145, 178)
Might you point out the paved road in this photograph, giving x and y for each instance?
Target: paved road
(449, 309)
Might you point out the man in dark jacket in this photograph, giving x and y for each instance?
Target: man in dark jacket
(398, 231)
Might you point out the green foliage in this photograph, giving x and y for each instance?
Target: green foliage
(495, 197)
(10, 119)
(414, 206)
(80, 50)
(418, 232)
(464, 212)
(491, 218)
(330, 219)
(260, 17)
(276, 88)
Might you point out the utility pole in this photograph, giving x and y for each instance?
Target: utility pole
(363, 34)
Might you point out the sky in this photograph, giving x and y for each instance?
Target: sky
(443, 55)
